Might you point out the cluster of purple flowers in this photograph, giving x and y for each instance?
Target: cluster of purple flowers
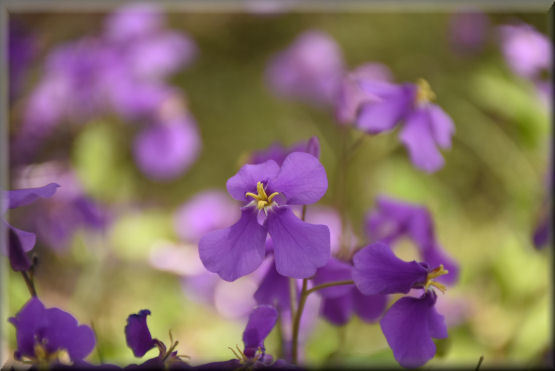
(121, 72)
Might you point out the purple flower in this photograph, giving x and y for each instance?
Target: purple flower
(299, 247)
(310, 69)
(426, 126)
(278, 153)
(261, 322)
(411, 323)
(394, 219)
(467, 31)
(19, 241)
(44, 334)
(340, 302)
(527, 51)
(165, 150)
(133, 21)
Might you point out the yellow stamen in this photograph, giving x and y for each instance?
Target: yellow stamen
(424, 92)
(439, 271)
(262, 199)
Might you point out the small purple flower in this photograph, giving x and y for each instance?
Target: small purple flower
(44, 334)
(411, 323)
(340, 302)
(165, 150)
(19, 241)
(261, 322)
(299, 247)
(394, 219)
(278, 153)
(310, 69)
(468, 31)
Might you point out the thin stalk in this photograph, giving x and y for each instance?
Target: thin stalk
(292, 295)
(297, 322)
(30, 284)
(330, 284)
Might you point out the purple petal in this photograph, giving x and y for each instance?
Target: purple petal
(442, 126)
(18, 259)
(27, 239)
(235, 251)
(378, 271)
(302, 179)
(417, 136)
(63, 332)
(274, 290)
(23, 197)
(390, 105)
(313, 147)
(137, 333)
(248, 176)
(165, 151)
(337, 310)
(26, 322)
(299, 248)
(409, 326)
(335, 270)
(368, 307)
(434, 256)
(261, 322)
(133, 21)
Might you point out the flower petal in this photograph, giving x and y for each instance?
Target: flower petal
(137, 333)
(335, 270)
(23, 197)
(302, 179)
(299, 248)
(246, 178)
(442, 126)
(18, 259)
(64, 332)
(235, 251)
(378, 271)
(368, 307)
(261, 322)
(408, 326)
(417, 136)
(27, 239)
(29, 318)
(274, 290)
(337, 310)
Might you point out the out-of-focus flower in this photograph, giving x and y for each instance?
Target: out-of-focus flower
(394, 219)
(165, 150)
(240, 249)
(341, 302)
(468, 31)
(22, 49)
(49, 335)
(140, 341)
(526, 51)
(19, 241)
(411, 323)
(310, 69)
(278, 152)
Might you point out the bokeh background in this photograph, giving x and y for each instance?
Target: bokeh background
(485, 202)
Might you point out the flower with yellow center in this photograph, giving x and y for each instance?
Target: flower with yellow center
(424, 92)
(437, 272)
(262, 200)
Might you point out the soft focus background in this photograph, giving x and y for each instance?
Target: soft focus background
(109, 241)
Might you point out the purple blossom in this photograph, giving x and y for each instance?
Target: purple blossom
(278, 153)
(411, 323)
(165, 150)
(261, 321)
(299, 247)
(43, 334)
(340, 302)
(310, 69)
(19, 241)
(394, 219)
(468, 31)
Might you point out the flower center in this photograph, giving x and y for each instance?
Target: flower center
(262, 200)
(437, 272)
(424, 92)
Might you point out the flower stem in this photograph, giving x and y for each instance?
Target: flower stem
(30, 284)
(297, 322)
(330, 284)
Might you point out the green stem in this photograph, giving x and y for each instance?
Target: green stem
(330, 284)
(30, 284)
(297, 322)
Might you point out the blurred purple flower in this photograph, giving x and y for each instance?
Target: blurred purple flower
(19, 241)
(278, 152)
(394, 219)
(468, 31)
(165, 150)
(341, 302)
(44, 334)
(310, 69)
(240, 249)
(411, 323)
(526, 51)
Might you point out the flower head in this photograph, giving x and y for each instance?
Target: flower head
(269, 190)
(48, 335)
